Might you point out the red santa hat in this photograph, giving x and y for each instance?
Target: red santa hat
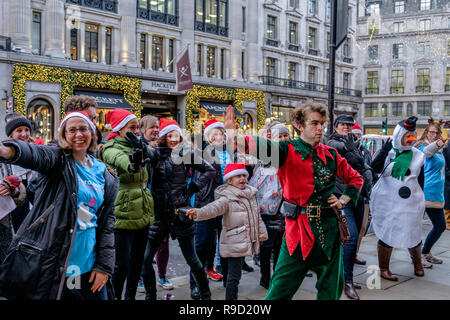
(118, 118)
(234, 169)
(166, 126)
(212, 124)
(357, 129)
(79, 114)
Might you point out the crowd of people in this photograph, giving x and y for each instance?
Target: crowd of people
(91, 214)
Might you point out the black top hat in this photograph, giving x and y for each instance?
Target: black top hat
(409, 124)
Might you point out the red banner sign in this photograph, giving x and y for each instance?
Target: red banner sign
(184, 76)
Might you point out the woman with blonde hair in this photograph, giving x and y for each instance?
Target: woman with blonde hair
(432, 144)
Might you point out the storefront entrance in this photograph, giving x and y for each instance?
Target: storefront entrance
(106, 101)
(159, 106)
(41, 114)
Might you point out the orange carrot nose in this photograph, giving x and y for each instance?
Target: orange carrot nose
(412, 138)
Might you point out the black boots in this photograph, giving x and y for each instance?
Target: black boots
(202, 284)
(150, 286)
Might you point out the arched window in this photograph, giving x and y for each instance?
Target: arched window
(40, 113)
(248, 123)
(409, 109)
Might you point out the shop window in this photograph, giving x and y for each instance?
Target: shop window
(248, 124)
(211, 16)
(108, 44)
(210, 62)
(36, 33)
(142, 51)
(40, 113)
(91, 43)
(157, 53)
(74, 44)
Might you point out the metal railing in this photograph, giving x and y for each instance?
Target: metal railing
(293, 47)
(271, 42)
(372, 90)
(423, 89)
(104, 5)
(294, 84)
(347, 60)
(157, 16)
(397, 90)
(313, 52)
(211, 28)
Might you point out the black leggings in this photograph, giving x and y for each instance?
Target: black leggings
(381, 243)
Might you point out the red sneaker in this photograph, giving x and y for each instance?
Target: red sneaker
(213, 275)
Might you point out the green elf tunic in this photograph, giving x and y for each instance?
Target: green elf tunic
(308, 177)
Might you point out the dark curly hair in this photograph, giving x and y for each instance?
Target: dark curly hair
(79, 103)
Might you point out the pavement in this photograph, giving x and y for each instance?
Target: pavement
(434, 285)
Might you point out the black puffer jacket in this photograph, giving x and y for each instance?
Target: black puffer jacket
(36, 262)
(170, 188)
(209, 154)
(446, 153)
(355, 159)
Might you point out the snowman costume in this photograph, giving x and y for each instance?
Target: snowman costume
(397, 203)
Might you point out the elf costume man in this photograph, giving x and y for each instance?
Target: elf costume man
(307, 172)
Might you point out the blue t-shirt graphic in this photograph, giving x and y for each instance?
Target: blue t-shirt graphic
(224, 159)
(91, 186)
(434, 171)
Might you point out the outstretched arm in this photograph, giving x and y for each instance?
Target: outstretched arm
(211, 210)
(39, 158)
(265, 150)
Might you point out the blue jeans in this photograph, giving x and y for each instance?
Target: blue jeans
(437, 218)
(355, 215)
(205, 244)
(84, 291)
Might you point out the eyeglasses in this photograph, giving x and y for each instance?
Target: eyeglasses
(437, 133)
(72, 131)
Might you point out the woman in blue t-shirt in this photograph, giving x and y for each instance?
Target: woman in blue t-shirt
(65, 246)
(431, 144)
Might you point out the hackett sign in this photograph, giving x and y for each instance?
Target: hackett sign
(184, 76)
(163, 85)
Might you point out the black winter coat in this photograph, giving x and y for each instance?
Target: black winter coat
(355, 159)
(170, 188)
(446, 153)
(206, 194)
(37, 260)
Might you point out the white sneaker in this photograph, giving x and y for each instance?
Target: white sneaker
(431, 259)
(425, 263)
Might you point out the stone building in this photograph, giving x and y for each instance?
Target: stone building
(404, 61)
(263, 57)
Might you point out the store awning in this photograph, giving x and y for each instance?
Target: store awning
(106, 100)
(218, 109)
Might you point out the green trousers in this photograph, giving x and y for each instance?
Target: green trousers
(291, 270)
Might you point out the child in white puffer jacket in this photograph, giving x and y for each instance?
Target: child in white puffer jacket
(242, 226)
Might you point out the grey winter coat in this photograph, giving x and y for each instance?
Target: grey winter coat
(242, 226)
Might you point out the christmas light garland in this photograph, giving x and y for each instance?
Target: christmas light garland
(237, 96)
(131, 87)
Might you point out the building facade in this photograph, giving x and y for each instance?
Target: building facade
(263, 57)
(293, 56)
(404, 58)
